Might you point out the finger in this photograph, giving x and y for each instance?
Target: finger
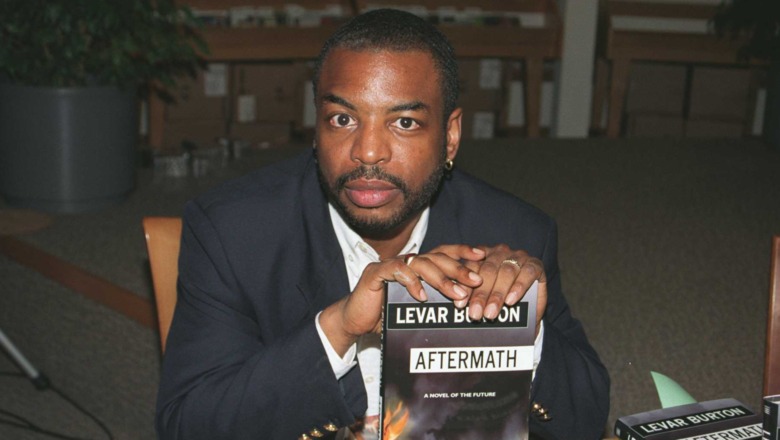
(472, 266)
(460, 252)
(478, 300)
(531, 270)
(403, 274)
(446, 275)
(452, 269)
(489, 270)
(506, 275)
(377, 275)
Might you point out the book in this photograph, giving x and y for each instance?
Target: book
(446, 377)
(711, 420)
(772, 417)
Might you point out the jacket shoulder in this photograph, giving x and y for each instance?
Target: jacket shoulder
(490, 205)
(261, 188)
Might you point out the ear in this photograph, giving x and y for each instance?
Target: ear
(453, 133)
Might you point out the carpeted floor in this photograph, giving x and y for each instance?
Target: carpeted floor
(664, 251)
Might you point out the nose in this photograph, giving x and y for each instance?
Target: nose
(371, 145)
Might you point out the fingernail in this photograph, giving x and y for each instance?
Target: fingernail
(477, 251)
(491, 311)
(473, 276)
(475, 312)
(459, 290)
(461, 303)
(423, 296)
(512, 298)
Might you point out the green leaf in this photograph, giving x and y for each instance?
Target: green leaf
(114, 42)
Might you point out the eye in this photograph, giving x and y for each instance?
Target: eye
(341, 120)
(406, 124)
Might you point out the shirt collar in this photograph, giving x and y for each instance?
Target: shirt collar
(351, 242)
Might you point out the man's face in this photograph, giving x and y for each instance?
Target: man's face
(381, 138)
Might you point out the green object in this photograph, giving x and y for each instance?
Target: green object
(670, 392)
(130, 44)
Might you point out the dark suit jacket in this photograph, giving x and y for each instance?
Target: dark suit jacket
(259, 259)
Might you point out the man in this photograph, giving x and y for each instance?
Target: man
(282, 272)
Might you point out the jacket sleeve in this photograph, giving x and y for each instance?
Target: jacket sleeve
(571, 383)
(226, 374)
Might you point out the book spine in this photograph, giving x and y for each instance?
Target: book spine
(625, 432)
(771, 416)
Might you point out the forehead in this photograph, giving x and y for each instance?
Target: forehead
(380, 74)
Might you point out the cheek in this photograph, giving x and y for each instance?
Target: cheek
(330, 164)
(417, 169)
(424, 154)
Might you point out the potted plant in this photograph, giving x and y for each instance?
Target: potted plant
(71, 73)
(758, 22)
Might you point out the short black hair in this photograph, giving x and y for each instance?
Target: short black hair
(395, 30)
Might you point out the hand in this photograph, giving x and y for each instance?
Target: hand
(505, 283)
(360, 312)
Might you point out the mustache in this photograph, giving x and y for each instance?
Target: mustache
(373, 172)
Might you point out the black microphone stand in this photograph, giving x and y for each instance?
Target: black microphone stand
(38, 379)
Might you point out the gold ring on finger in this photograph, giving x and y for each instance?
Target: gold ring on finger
(408, 258)
(511, 261)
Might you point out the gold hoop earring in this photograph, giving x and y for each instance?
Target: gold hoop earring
(449, 164)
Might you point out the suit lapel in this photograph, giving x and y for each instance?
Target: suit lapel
(325, 280)
(443, 221)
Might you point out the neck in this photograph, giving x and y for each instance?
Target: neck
(390, 245)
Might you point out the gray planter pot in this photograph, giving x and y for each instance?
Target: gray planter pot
(67, 150)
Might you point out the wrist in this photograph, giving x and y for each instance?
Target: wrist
(332, 323)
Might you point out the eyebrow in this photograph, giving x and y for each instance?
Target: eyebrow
(407, 106)
(410, 106)
(338, 100)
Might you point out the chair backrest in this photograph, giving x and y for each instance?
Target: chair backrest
(163, 237)
(772, 360)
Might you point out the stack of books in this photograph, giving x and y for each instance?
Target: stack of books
(723, 419)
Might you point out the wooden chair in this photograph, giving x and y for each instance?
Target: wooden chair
(163, 236)
(772, 360)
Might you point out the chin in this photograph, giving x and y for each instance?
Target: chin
(373, 224)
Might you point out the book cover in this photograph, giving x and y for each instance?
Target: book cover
(710, 420)
(772, 417)
(446, 377)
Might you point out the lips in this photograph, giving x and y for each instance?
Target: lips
(370, 193)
